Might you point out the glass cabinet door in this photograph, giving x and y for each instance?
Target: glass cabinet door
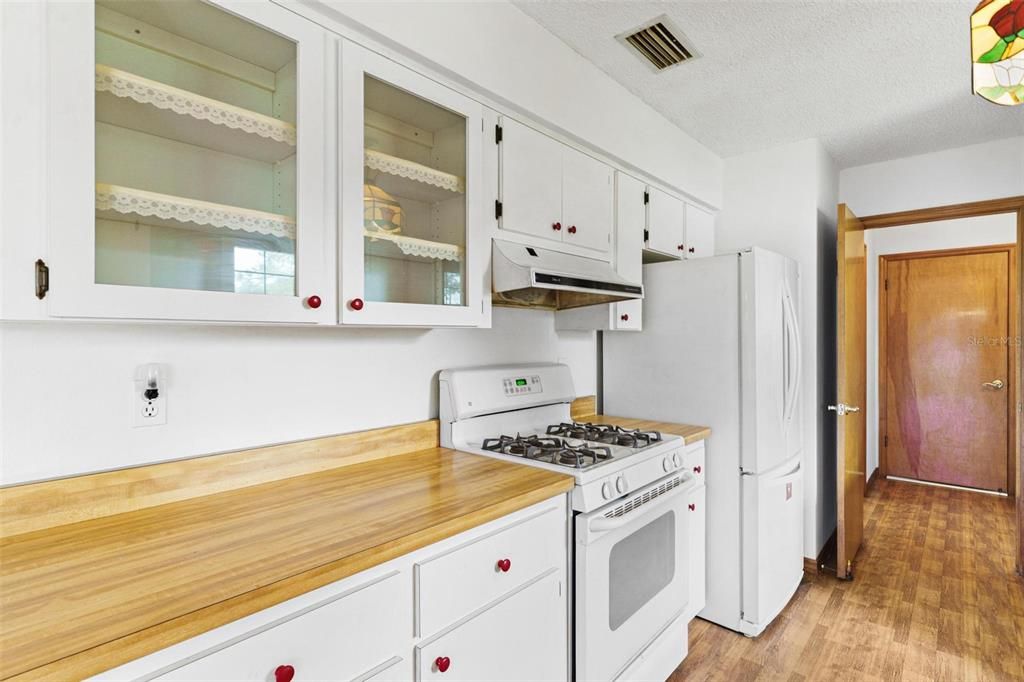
(411, 182)
(206, 155)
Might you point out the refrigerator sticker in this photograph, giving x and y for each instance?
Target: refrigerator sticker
(789, 490)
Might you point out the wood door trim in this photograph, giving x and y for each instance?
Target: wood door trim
(1012, 369)
(949, 212)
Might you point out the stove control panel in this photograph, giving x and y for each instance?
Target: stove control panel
(522, 385)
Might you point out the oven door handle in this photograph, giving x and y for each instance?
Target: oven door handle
(603, 524)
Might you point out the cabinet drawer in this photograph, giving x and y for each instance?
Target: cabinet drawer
(693, 461)
(521, 638)
(342, 638)
(454, 584)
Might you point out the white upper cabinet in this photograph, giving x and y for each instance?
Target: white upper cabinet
(629, 243)
(414, 242)
(700, 232)
(187, 162)
(666, 221)
(555, 192)
(531, 181)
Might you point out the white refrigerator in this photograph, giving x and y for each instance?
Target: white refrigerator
(720, 347)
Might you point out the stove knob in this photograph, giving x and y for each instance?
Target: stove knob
(620, 484)
(606, 491)
(676, 459)
(666, 465)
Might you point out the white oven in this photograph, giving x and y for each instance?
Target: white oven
(632, 575)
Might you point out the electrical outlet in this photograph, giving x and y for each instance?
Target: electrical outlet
(146, 411)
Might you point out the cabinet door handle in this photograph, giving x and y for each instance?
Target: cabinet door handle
(681, 247)
(356, 304)
(284, 673)
(572, 229)
(625, 317)
(696, 469)
(556, 226)
(504, 565)
(313, 302)
(442, 663)
(693, 507)
(691, 250)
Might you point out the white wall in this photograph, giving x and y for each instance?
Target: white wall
(948, 234)
(783, 199)
(982, 171)
(64, 387)
(67, 387)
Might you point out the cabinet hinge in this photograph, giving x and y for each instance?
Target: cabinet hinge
(497, 134)
(497, 209)
(647, 197)
(42, 279)
(647, 235)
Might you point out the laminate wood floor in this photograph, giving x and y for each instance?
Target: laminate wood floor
(934, 597)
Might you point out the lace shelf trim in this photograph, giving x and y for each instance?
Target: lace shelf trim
(411, 246)
(392, 165)
(130, 201)
(163, 96)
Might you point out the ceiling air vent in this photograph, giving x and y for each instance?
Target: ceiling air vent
(660, 43)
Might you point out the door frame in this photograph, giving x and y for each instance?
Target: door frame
(972, 209)
(883, 293)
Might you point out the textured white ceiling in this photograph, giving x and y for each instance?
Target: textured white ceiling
(872, 79)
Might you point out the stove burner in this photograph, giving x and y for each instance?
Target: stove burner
(605, 433)
(549, 449)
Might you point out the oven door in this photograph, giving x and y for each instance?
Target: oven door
(632, 566)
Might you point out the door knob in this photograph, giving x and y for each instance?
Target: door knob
(997, 384)
(843, 409)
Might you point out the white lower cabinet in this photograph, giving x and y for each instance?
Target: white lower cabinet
(520, 638)
(490, 603)
(698, 555)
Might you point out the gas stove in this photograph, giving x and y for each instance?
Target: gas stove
(522, 414)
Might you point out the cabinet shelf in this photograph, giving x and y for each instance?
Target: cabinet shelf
(130, 101)
(412, 246)
(164, 209)
(411, 180)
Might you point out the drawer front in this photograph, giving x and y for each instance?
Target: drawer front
(341, 639)
(454, 584)
(693, 461)
(522, 638)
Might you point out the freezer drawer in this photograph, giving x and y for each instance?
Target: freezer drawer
(773, 531)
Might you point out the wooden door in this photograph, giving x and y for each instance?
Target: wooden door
(947, 360)
(851, 370)
(588, 201)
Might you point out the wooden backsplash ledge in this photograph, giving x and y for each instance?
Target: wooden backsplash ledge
(583, 407)
(36, 506)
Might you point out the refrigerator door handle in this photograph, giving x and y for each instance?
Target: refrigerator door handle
(794, 355)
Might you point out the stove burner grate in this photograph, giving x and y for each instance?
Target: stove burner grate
(605, 433)
(549, 449)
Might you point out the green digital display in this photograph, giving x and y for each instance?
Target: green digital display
(520, 382)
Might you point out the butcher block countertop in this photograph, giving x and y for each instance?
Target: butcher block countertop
(83, 597)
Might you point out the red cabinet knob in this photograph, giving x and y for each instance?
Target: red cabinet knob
(696, 469)
(504, 565)
(356, 304)
(693, 507)
(284, 673)
(572, 229)
(681, 247)
(442, 663)
(691, 250)
(556, 226)
(625, 317)
(313, 302)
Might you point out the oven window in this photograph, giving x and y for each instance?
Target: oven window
(641, 565)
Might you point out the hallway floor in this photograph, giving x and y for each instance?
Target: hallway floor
(934, 597)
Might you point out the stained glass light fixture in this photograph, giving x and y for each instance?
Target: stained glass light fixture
(997, 49)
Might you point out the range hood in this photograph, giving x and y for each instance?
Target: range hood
(528, 276)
